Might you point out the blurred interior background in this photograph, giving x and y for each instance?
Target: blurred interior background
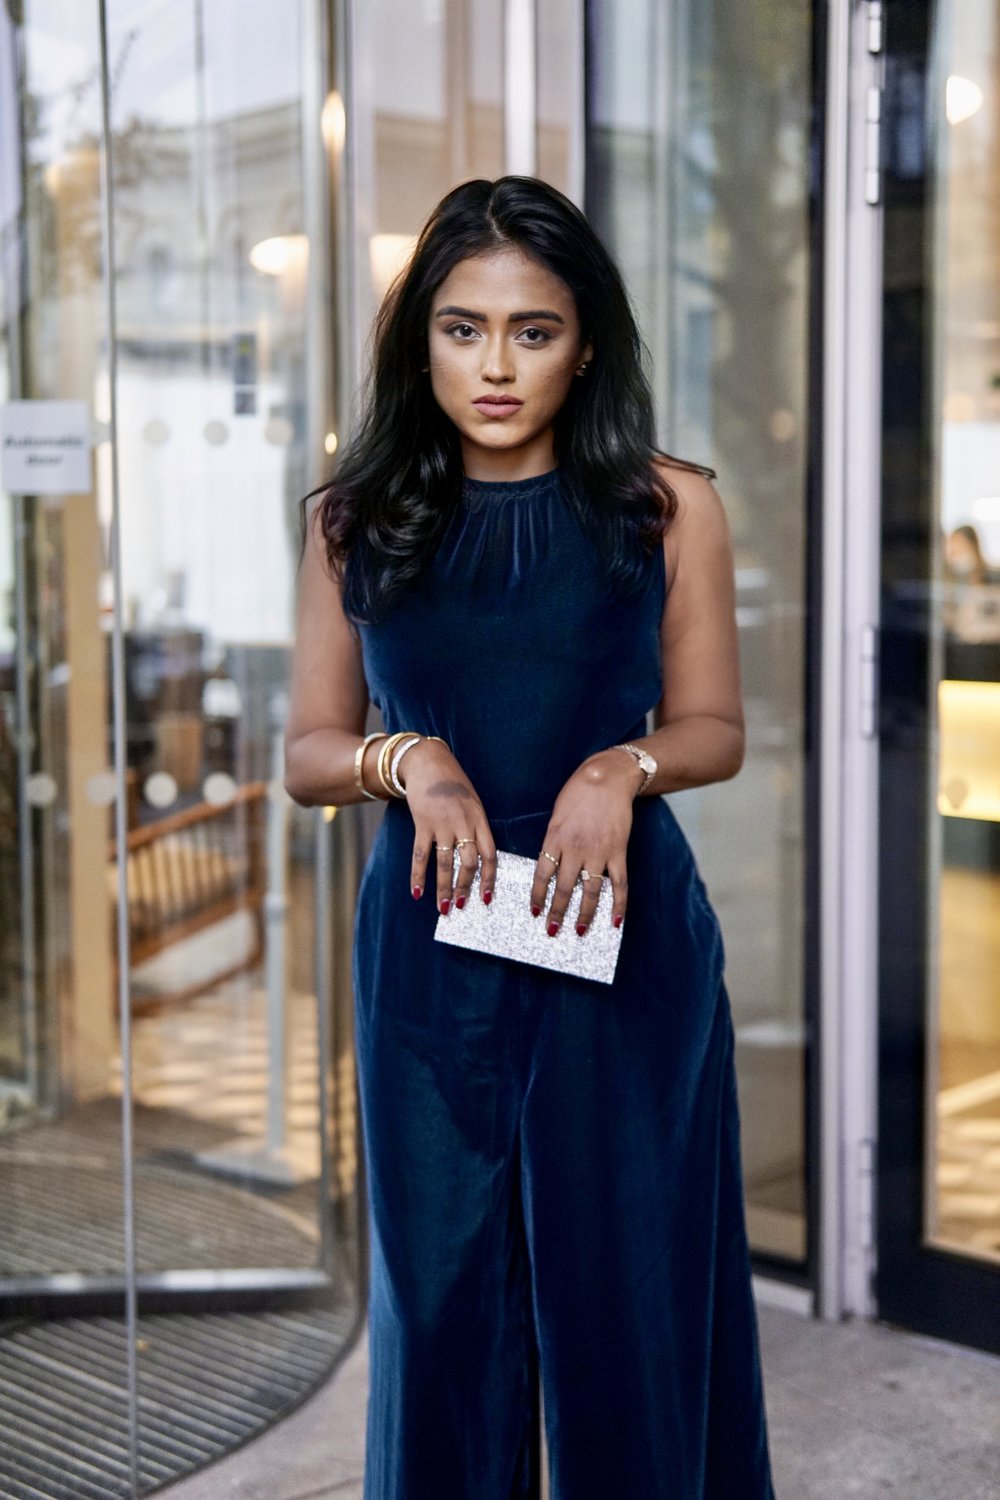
(200, 207)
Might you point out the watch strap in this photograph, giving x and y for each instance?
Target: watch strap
(640, 756)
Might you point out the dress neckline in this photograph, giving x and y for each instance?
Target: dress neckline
(528, 486)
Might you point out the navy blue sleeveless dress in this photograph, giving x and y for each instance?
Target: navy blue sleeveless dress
(553, 1164)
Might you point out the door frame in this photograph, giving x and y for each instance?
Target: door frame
(851, 333)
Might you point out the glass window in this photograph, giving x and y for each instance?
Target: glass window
(242, 1157)
(962, 1208)
(61, 1157)
(560, 69)
(698, 178)
(428, 114)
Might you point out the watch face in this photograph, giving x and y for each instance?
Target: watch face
(647, 763)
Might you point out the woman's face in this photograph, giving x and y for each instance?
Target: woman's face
(504, 345)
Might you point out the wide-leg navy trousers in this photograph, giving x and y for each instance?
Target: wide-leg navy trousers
(555, 1195)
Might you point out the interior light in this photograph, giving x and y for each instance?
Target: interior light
(962, 98)
(959, 406)
(330, 442)
(333, 121)
(388, 254)
(274, 256)
(969, 725)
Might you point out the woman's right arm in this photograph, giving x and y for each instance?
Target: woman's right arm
(326, 724)
(329, 695)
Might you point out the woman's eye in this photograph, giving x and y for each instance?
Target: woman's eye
(465, 332)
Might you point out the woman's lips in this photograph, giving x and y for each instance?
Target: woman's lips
(498, 406)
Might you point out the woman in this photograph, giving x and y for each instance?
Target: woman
(971, 598)
(508, 567)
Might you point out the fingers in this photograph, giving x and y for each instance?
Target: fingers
(545, 869)
(591, 892)
(563, 879)
(488, 862)
(469, 864)
(452, 884)
(567, 879)
(445, 868)
(560, 880)
(619, 891)
(418, 865)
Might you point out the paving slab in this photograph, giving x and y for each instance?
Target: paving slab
(315, 1453)
(855, 1409)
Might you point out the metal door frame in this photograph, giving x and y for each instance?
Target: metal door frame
(850, 592)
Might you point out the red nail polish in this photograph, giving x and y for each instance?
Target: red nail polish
(581, 928)
(460, 902)
(417, 890)
(487, 897)
(536, 911)
(444, 906)
(617, 919)
(553, 928)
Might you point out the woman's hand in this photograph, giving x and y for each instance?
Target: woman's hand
(589, 830)
(445, 808)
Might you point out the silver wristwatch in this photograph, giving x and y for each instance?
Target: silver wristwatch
(646, 763)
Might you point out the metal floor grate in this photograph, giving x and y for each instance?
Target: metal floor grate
(61, 1187)
(207, 1384)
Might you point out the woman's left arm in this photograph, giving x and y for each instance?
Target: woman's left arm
(699, 730)
(699, 735)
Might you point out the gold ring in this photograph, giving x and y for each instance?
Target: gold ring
(550, 856)
(460, 842)
(586, 875)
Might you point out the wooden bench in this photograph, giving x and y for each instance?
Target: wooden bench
(188, 871)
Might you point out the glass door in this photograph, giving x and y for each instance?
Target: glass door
(181, 1257)
(210, 269)
(701, 140)
(939, 1052)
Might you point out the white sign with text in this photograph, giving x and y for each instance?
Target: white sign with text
(45, 447)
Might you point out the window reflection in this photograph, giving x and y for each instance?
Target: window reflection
(699, 179)
(211, 272)
(430, 117)
(963, 1125)
(235, 1190)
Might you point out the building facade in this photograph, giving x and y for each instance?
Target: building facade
(199, 213)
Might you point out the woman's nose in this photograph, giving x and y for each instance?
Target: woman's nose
(497, 362)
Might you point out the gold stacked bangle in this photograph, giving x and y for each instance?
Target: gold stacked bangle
(359, 756)
(390, 744)
(385, 760)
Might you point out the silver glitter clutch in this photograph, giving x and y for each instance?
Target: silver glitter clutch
(506, 927)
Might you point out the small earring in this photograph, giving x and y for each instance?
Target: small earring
(582, 369)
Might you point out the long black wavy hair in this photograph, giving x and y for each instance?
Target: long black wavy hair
(399, 478)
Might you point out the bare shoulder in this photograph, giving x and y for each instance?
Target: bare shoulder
(316, 540)
(700, 524)
(698, 501)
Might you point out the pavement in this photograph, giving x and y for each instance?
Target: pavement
(855, 1409)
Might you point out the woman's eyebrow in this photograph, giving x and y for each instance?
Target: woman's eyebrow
(517, 317)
